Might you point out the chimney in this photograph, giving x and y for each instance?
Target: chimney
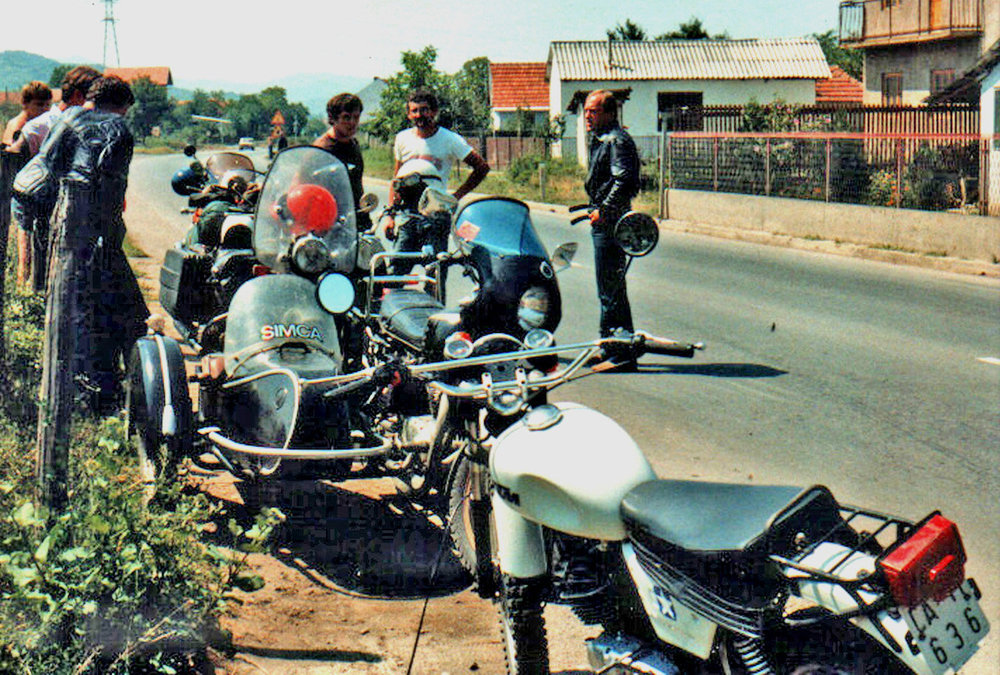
(610, 41)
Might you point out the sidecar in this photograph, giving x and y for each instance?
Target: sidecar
(257, 379)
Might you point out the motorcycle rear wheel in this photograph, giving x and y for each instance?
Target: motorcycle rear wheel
(522, 626)
(158, 456)
(834, 648)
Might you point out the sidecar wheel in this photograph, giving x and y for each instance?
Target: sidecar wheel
(145, 400)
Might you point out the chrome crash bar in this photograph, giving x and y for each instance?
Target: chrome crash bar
(214, 434)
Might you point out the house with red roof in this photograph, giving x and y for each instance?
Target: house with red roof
(157, 74)
(518, 87)
(840, 89)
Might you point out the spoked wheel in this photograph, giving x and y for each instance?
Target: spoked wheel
(471, 525)
(522, 624)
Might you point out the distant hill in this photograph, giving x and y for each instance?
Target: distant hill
(18, 68)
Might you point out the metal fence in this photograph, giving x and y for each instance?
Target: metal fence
(924, 171)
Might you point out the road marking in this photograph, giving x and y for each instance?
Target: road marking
(992, 360)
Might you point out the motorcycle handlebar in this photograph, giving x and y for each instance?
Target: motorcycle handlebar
(651, 344)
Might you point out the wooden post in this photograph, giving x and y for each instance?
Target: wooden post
(899, 172)
(767, 168)
(9, 165)
(542, 179)
(829, 144)
(715, 163)
(65, 315)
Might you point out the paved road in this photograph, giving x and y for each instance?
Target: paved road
(879, 381)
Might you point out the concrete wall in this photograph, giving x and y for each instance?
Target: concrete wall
(915, 62)
(956, 235)
(640, 111)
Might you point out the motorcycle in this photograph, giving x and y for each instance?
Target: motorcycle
(693, 576)
(514, 291)
(263, 360)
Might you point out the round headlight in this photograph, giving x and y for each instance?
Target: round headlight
(457, 346)
(310, 255)
(533, 308)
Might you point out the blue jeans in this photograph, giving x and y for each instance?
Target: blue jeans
(609, 264)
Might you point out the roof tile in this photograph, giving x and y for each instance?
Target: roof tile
(519, 85)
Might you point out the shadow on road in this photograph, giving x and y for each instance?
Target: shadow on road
(748, 370)
(381, 547)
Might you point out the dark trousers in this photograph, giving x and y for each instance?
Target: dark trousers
(413, 235)
(609, 265)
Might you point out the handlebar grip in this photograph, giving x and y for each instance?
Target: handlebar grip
(579, 219)
(653, 345)
(578, 207)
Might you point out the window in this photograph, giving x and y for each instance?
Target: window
(941, 79)
(892, 89)
(681, 109)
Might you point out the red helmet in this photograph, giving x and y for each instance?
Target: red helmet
(312, 208)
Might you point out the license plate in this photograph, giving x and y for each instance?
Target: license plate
(947, 633)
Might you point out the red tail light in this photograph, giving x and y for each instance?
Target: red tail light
(261, 270)
(930, 563)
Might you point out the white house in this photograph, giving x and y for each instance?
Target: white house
(518, 94)
(653, 77)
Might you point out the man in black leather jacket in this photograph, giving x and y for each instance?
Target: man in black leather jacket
(88, 153)
(612, 182)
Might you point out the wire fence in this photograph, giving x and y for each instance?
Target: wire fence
(923, 171)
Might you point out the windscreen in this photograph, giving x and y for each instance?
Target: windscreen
(306, 192)
(503, 226)
(221, 162)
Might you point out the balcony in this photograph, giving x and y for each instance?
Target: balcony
(873, 23)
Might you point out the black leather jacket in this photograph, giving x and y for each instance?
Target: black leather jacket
(94, 149)
(613, 176)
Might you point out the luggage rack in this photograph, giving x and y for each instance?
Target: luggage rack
(872, 534)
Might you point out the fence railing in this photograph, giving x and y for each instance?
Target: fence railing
(924, 171)
(902, 20)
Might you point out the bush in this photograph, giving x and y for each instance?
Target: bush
(111, 585)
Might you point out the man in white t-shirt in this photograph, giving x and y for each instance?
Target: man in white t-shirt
(428, 141)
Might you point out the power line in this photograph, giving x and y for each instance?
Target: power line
(110, 34)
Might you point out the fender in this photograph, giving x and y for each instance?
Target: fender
(827, 557)
(164, 387)
(520, 544)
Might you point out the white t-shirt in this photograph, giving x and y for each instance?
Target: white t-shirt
(441, 149)
(35, 130)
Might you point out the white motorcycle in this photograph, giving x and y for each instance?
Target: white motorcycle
(690, 576)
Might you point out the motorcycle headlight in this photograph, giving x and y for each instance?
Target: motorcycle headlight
(533, 308)
(310, 255)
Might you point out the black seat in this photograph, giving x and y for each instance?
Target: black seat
(405, 314)
(706, 518)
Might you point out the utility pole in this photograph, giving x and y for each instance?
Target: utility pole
(110, 34)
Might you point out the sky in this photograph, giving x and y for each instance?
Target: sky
(227, 41)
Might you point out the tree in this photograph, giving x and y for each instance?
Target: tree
(851, 60)
(58, 73)
(150, 107)
(627, 31)
(468, 97)
(691, 30)
(418, 73)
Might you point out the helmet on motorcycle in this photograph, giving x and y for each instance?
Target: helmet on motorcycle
(312, 209)
(417, 168)
(186, 182)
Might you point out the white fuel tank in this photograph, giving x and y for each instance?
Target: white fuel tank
(568, 467)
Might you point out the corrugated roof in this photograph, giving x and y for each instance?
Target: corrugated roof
(156, 74)
(519, 85)
(839, 88)
(794, 58)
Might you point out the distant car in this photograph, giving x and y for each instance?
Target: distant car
(246, 143)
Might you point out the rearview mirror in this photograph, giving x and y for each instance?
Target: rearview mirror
(562, 257)
(368, 202)
(637, 233)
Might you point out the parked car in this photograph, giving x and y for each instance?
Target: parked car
(246, 143)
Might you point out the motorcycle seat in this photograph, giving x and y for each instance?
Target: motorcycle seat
(728, 518)
(405, 314)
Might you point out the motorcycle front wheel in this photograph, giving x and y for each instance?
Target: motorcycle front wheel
(470, 523)
(522, 625)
